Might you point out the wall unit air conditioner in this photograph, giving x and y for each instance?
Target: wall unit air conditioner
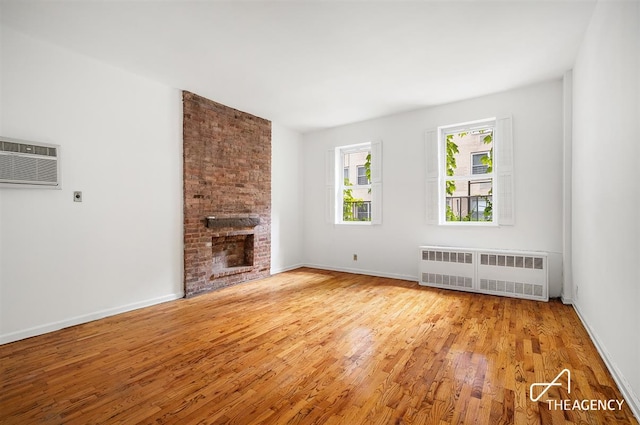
(520, 274)
(29, 164)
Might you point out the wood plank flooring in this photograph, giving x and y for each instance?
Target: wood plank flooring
(311, 347)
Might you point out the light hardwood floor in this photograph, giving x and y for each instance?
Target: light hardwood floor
(311, 347)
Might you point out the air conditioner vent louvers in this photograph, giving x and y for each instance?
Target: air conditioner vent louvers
(29, 164)
(28, 149)
(10, 147)
(47, 171)
(5, 167)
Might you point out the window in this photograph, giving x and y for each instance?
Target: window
(479, 163)
(468, 187)
(362, 175)
(355, 189)
(363, 211)
(466, 182)
(354, 196)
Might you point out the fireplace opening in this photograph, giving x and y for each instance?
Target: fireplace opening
(232, 254)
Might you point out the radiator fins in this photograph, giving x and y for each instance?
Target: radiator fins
(513, 274)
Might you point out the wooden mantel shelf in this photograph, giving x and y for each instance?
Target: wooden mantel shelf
(215, 222)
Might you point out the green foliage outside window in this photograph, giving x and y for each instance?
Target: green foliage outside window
(348, 201)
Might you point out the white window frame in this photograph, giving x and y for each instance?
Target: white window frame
(502, 173)
(335, 183)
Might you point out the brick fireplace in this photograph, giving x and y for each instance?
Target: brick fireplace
(227, 195)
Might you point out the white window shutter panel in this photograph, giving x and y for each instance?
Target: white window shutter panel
(504, 151)
(330, 189)
(505, 199)
(330, 167)
(431, 151)
(432, 216)
(376, 182)
(505, 183)
(432, 181)
(330, 201)
(376, 162)
(376, 203)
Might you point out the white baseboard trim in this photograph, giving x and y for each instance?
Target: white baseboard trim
(362, 271)
(567, 301)
(625, 388)
(286, 269)
(77, 320)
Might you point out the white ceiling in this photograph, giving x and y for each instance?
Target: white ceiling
(310, 64)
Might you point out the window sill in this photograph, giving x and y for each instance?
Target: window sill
(468, 224)
(354, 223)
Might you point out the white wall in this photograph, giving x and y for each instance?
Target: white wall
(391, 249)
(1, 132)
(121, 136)
(606, 189)
(63, 263)
(286, 199)
(567, 136)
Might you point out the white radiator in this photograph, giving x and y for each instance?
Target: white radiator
(521, 274)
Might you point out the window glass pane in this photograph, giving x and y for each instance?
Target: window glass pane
(363, 211)
(469, 152)
(356, 204)
(469, 200)
(356, 162)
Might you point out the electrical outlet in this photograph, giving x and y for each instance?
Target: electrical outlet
(355, 257)
(77, 196)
